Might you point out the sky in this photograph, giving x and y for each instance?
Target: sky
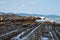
(44, 7)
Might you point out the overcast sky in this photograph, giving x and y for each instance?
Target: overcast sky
(44, 7)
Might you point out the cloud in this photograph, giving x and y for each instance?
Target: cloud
(3, 3)
(50, 9)
(35, 2)
(32, 2)
(29, 4)
(22, 5)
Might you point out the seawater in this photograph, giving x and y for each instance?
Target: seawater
(57, 20)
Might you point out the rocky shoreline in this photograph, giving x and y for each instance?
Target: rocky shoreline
(9, 23)
(12, 22)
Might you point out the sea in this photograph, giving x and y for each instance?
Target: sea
(57, 20)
